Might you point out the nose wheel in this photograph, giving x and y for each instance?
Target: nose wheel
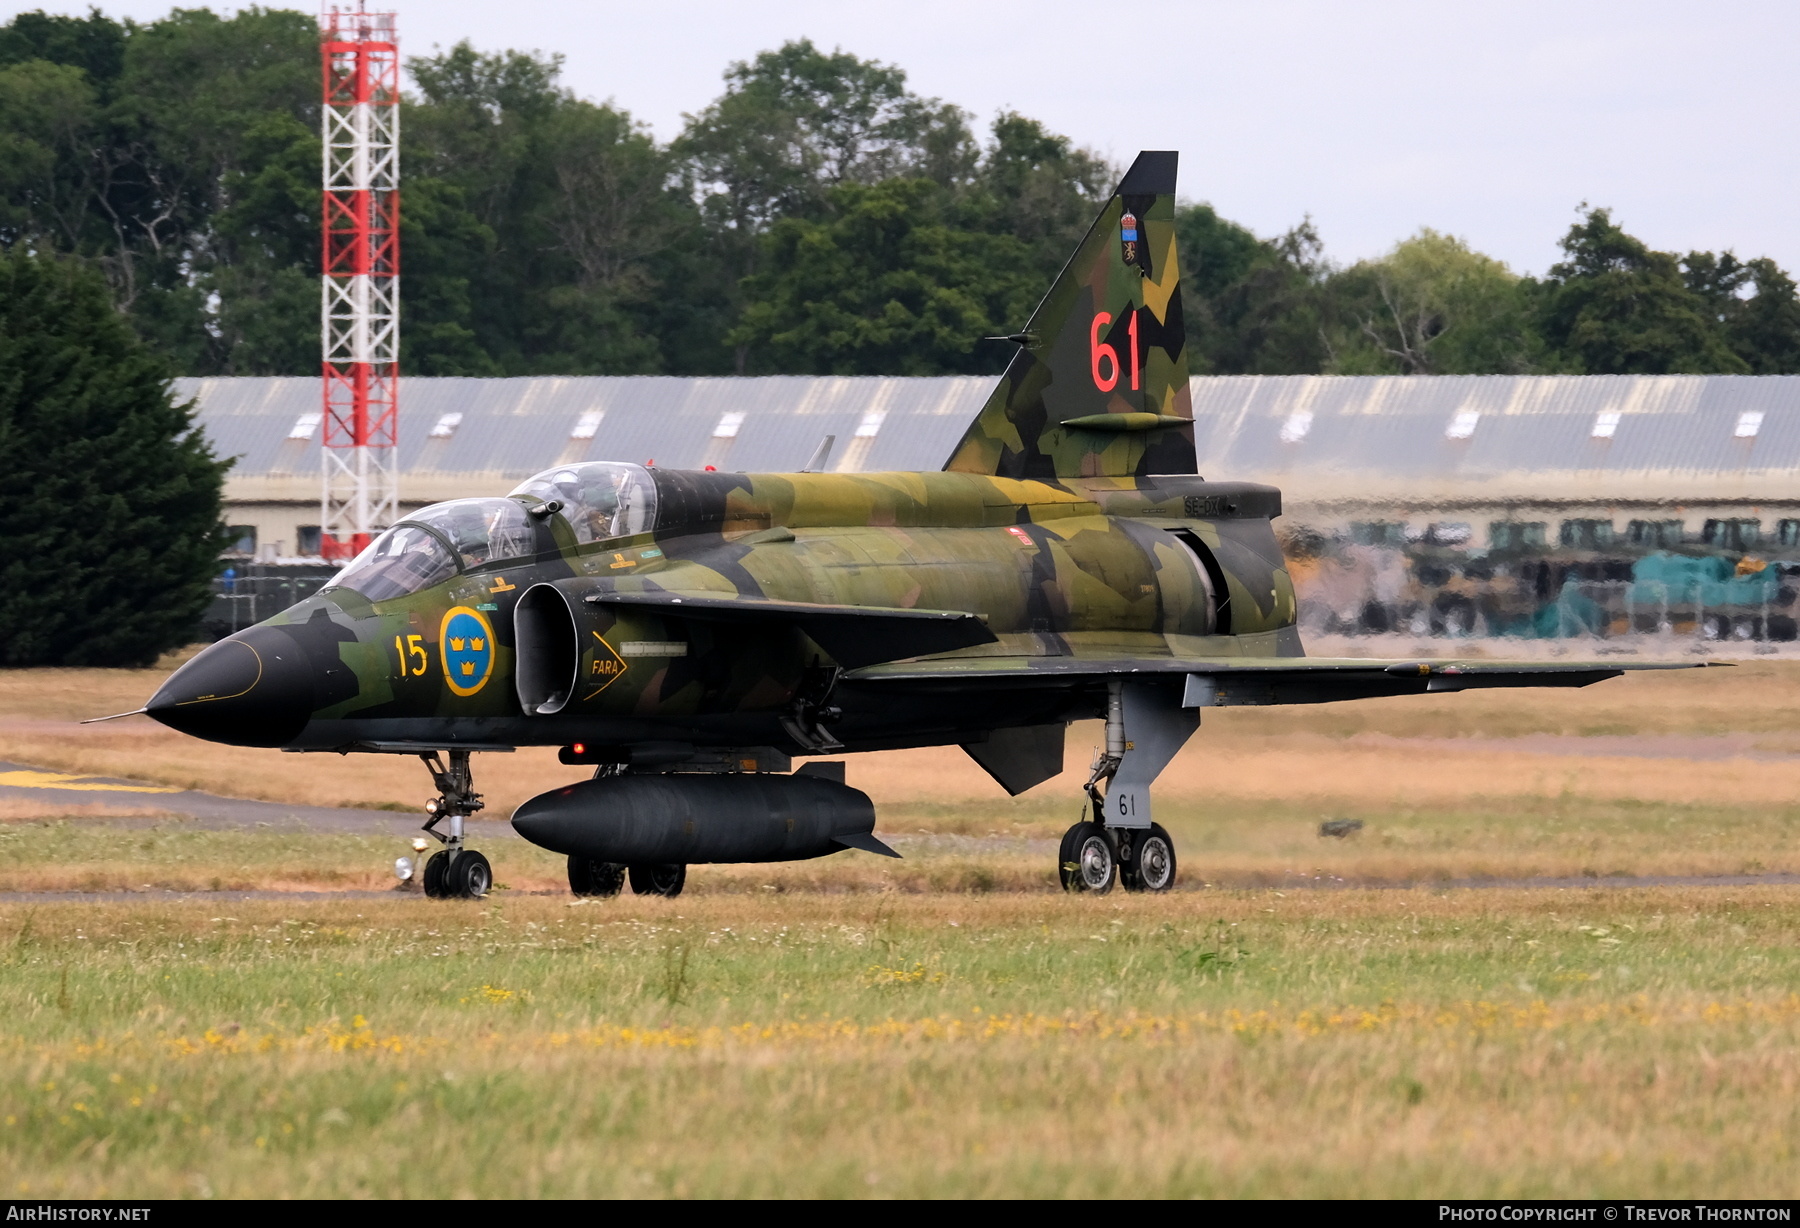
(456, 872)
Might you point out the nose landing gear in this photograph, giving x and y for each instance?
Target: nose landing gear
(455, 872)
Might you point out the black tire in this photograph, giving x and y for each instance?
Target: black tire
(468, 876)
(434, 874)
(598, 879)
(663, 880)
(1088, 863)
(1065, 857)
(1152, 865)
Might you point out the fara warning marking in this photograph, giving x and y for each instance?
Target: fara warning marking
(604, 666)
(466, 645)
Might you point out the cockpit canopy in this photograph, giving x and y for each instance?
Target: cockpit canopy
(433, 544)
(600, 499)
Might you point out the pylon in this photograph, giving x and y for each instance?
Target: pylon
(359, 313)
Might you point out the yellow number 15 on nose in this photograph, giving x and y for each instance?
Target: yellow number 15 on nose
(413, 651)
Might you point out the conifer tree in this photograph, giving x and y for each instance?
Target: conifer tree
(109, 495)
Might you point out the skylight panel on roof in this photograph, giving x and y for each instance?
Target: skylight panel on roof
(446, 425)
(1606, 423)
(1748, 424)
(305, 425)
(870, 426)
(1463, 425)
(1297, 425)
(588, 425)
(729, 422)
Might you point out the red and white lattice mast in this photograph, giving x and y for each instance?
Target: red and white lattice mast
(359, 315)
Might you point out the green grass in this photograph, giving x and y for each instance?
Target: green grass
(1406, 1043)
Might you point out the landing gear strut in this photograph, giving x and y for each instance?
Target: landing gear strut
(455, 872)
(1119, 844)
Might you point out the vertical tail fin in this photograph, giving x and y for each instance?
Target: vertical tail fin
(1099, 386)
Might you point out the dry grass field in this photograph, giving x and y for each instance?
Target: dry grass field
(948, 1025)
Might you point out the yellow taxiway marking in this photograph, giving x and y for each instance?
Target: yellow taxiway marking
(57, 780)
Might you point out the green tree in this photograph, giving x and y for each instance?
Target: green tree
(571, 220)
(94, 44)
(181, 156)
(1763, 326)
(111, 506)
(794, 124)
(1432, 306)
(48, 113)
(1036, 186)
(883, 286)
(1253, 306)
(446, 251)
(1615, 307)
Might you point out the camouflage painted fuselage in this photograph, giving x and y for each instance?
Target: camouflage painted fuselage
(1107, 568)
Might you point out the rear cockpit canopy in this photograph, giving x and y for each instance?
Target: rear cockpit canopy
(600, 499)
(433, 544)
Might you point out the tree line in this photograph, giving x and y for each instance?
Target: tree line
(817, 217)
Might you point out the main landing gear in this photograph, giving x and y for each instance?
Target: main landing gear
(456, 871)
(1119, 844)
(605, 879)
(1095, 857)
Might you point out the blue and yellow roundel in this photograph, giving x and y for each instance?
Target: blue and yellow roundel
(466, 644)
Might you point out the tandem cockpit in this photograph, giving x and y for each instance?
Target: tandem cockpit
(599, 500)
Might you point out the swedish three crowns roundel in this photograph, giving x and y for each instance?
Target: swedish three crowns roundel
(466, 643)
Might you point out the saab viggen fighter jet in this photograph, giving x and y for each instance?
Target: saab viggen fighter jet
(690, 633)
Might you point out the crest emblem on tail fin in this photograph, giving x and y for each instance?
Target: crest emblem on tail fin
(1099, 386)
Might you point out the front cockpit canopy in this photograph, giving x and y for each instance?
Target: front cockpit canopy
(433, 544)
(600, 499)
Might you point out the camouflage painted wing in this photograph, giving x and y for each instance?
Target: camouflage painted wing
(855, 636)
(1239, 682)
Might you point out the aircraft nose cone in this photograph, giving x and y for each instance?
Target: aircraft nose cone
(254, 689)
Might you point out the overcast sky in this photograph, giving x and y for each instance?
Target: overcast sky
(1491, 121)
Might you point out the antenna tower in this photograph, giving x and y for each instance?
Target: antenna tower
(359, 312)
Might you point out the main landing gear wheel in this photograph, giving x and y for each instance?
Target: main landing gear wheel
(1086, 862)
(1152, 864)
(603, 879)
(665, 880)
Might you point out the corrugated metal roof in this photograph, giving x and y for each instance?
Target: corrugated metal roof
(512, 428)
(1476, 437)
(1321, 438)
